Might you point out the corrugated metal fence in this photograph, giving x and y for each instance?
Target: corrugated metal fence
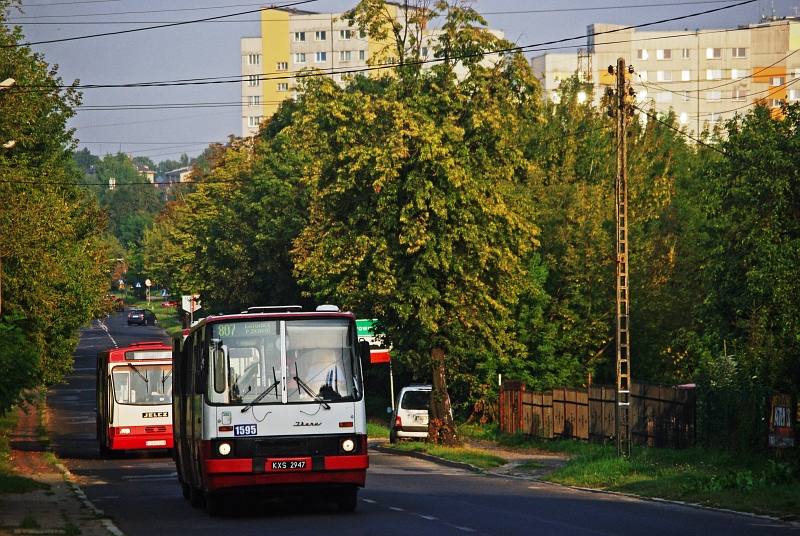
(662, 415)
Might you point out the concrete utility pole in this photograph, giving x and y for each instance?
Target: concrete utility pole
(622, 110)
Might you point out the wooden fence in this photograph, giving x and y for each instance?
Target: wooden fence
(662, 415)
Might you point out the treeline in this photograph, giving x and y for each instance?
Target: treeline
(447, 200)
(52, 261)
(477, 222)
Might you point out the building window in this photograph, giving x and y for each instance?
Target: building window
(253, 121)
(794, 94)
(714, 117)
(344, 55)
(736, 74)
(714, 74)
(685, 96)
(253, 80)
(739, 52)
(664, 96)
(344, 35)
(775, 103)
(254, 59)
(641, 54)
(776, 81)
(300, 57)
(282, 66)
(713, 96)
(713, 53)
(283, 86)
(738, 95)
(362, 55)
(299, 37)
(686, 53)
(362, 34)
(686, 76)
(665, 54)
(320, 36)
(664, 76)
(255, 100)
(320, 57)
(642, 75)
(796, 73)
(684, 118)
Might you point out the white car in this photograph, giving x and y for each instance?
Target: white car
(410, 419)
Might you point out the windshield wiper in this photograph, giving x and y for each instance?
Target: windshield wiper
(140, 375)
(307, 389)
(260, 397)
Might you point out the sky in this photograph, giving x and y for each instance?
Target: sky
(163, 122)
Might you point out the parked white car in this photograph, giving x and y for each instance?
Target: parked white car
(410, 419)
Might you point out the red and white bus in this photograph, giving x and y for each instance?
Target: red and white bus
(134, 398)
(270, 401)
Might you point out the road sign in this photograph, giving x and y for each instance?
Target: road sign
(148, 282)
(190, 303)
(365, 331)
(138, 285)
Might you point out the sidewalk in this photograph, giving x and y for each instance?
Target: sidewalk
(61, 509)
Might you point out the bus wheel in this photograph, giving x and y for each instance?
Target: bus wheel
(196, 497)
(347, 499)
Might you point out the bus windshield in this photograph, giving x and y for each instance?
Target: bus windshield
(251, 362)
(141, 384)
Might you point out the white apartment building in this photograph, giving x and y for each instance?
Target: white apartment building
(704, 76)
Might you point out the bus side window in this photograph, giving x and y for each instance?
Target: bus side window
(218, 358)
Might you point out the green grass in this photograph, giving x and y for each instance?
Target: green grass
(741, 482)
(377, 430)
(478, 458)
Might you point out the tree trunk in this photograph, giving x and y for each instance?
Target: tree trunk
(441, 429)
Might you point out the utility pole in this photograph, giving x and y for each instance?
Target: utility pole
(622, 110)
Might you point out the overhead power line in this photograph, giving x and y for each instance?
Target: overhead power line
(156, 27)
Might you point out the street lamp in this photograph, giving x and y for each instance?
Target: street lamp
(5, 84)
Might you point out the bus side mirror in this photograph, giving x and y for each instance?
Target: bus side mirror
(199, 382)
(363, 352)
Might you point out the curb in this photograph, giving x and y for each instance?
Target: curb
(474, 469)
(107, 523)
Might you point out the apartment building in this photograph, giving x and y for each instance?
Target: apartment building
(704, 76)
(293, 40)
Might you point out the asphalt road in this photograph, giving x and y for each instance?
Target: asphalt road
(403, 496)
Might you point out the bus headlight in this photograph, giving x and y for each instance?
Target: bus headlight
(224, 449)
(348, 445)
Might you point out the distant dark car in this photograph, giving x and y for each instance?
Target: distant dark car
(142, 317)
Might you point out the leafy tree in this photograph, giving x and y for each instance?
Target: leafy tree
(753, 242)
(414, 214)
(53, 266)
(567, 329)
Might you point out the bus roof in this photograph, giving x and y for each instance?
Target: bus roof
(290, 312)
(140, 351)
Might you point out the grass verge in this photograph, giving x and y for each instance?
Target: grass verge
(478, 458)
(736, 481)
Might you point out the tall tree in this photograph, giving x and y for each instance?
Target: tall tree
(52, 273)
(415, 215)
(753, 242)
